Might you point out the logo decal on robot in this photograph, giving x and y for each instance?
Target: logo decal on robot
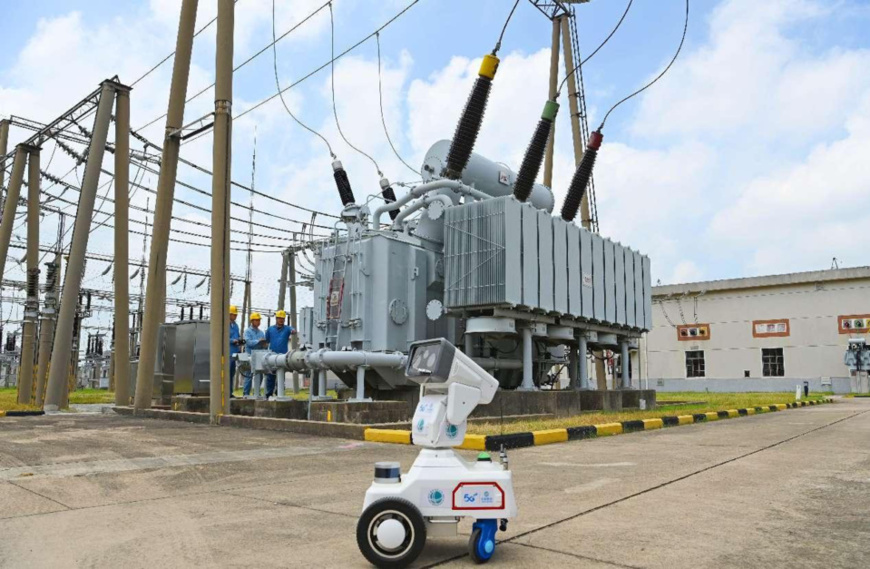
(421, 424)
(436, 497)
(452, 431)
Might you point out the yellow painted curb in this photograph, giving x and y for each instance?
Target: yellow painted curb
(549, 436)
(685, 420)
(474, 442)
(712, 416)
(388, 436)
(650, 424)
(608, 429)
(733, 413)
(781, 406)
(750, 410)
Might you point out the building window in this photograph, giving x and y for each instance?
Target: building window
(772, 362)
(695, 363)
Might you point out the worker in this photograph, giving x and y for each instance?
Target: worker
(235, 344)
(255, 339)
(278, 337)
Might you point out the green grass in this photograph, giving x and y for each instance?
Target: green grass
(711, 402)
(301, 396)
(9, 398)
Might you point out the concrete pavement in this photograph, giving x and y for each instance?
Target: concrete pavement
(788, 489)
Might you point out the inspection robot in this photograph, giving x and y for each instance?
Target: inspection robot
(402, 510)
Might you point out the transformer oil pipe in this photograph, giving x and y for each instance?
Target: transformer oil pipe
(583, 361)
(419, 204)
(58, 388)
(339, 361)
(422, 190)
(625, 383)
(155, 290)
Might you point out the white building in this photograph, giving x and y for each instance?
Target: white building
(757, 334)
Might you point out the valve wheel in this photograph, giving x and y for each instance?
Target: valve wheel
(391, 533)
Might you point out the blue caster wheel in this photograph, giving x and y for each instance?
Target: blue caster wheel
(481, 545)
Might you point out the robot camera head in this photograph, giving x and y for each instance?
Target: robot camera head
(430, 361)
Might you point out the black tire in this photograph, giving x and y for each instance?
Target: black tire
(407, 514)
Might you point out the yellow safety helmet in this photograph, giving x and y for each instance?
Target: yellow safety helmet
(254, 316)
(234, 310)
(280, 314)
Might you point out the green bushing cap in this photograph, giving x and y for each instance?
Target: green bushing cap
(550, 110)
(484, 457)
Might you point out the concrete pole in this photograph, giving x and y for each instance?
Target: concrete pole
(60, 356)
(12, 196)
(583, 361)
(29, 340)
(282, 280)
(46, 329)
(625, 382)
(221, 166)
(528, 380)
(573, 105)
(4, 148)
(554, 85)
(121, 352)
(294, 339)
(155, 292)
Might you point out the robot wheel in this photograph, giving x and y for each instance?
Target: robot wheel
(391, 533)
(481, 544)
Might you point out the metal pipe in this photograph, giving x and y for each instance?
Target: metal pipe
(121, 353)
(576, 135)
(294, 338)
(554, 86)
(334, 360)
(498, 363)
(624, 365)
(321, 385)
(11, 203)
(583, 360)
(572, 366)
(281, 375)
(58, 388)
(29, 339)
(220, 245)
(528, 380)
(360, 384)
(421, 190)
(397, 223)
(156, 290)
(469, 344)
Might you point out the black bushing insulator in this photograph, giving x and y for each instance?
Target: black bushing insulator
(467, 129)
(343, 184)
(580, 181)
(33, 283)
(390, 196)
(532, 160)
(578, 185)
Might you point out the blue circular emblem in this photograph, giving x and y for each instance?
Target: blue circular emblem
(452, 431)
(420, 424)
(436, 497)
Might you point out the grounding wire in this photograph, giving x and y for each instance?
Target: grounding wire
(280, 94)
(610, 35)
(659, 76)
(381, 102)
(332, 86)
(504, 28)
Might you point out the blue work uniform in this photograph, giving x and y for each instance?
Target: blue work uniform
(279, 342)
(234, 349)
(252, 342)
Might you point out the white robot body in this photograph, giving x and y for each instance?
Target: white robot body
(442, 487)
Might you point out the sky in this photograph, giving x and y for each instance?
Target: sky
(749, 157)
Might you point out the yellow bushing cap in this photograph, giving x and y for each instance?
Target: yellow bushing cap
(488, 66)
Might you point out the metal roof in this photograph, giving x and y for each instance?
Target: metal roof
(765, 281)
